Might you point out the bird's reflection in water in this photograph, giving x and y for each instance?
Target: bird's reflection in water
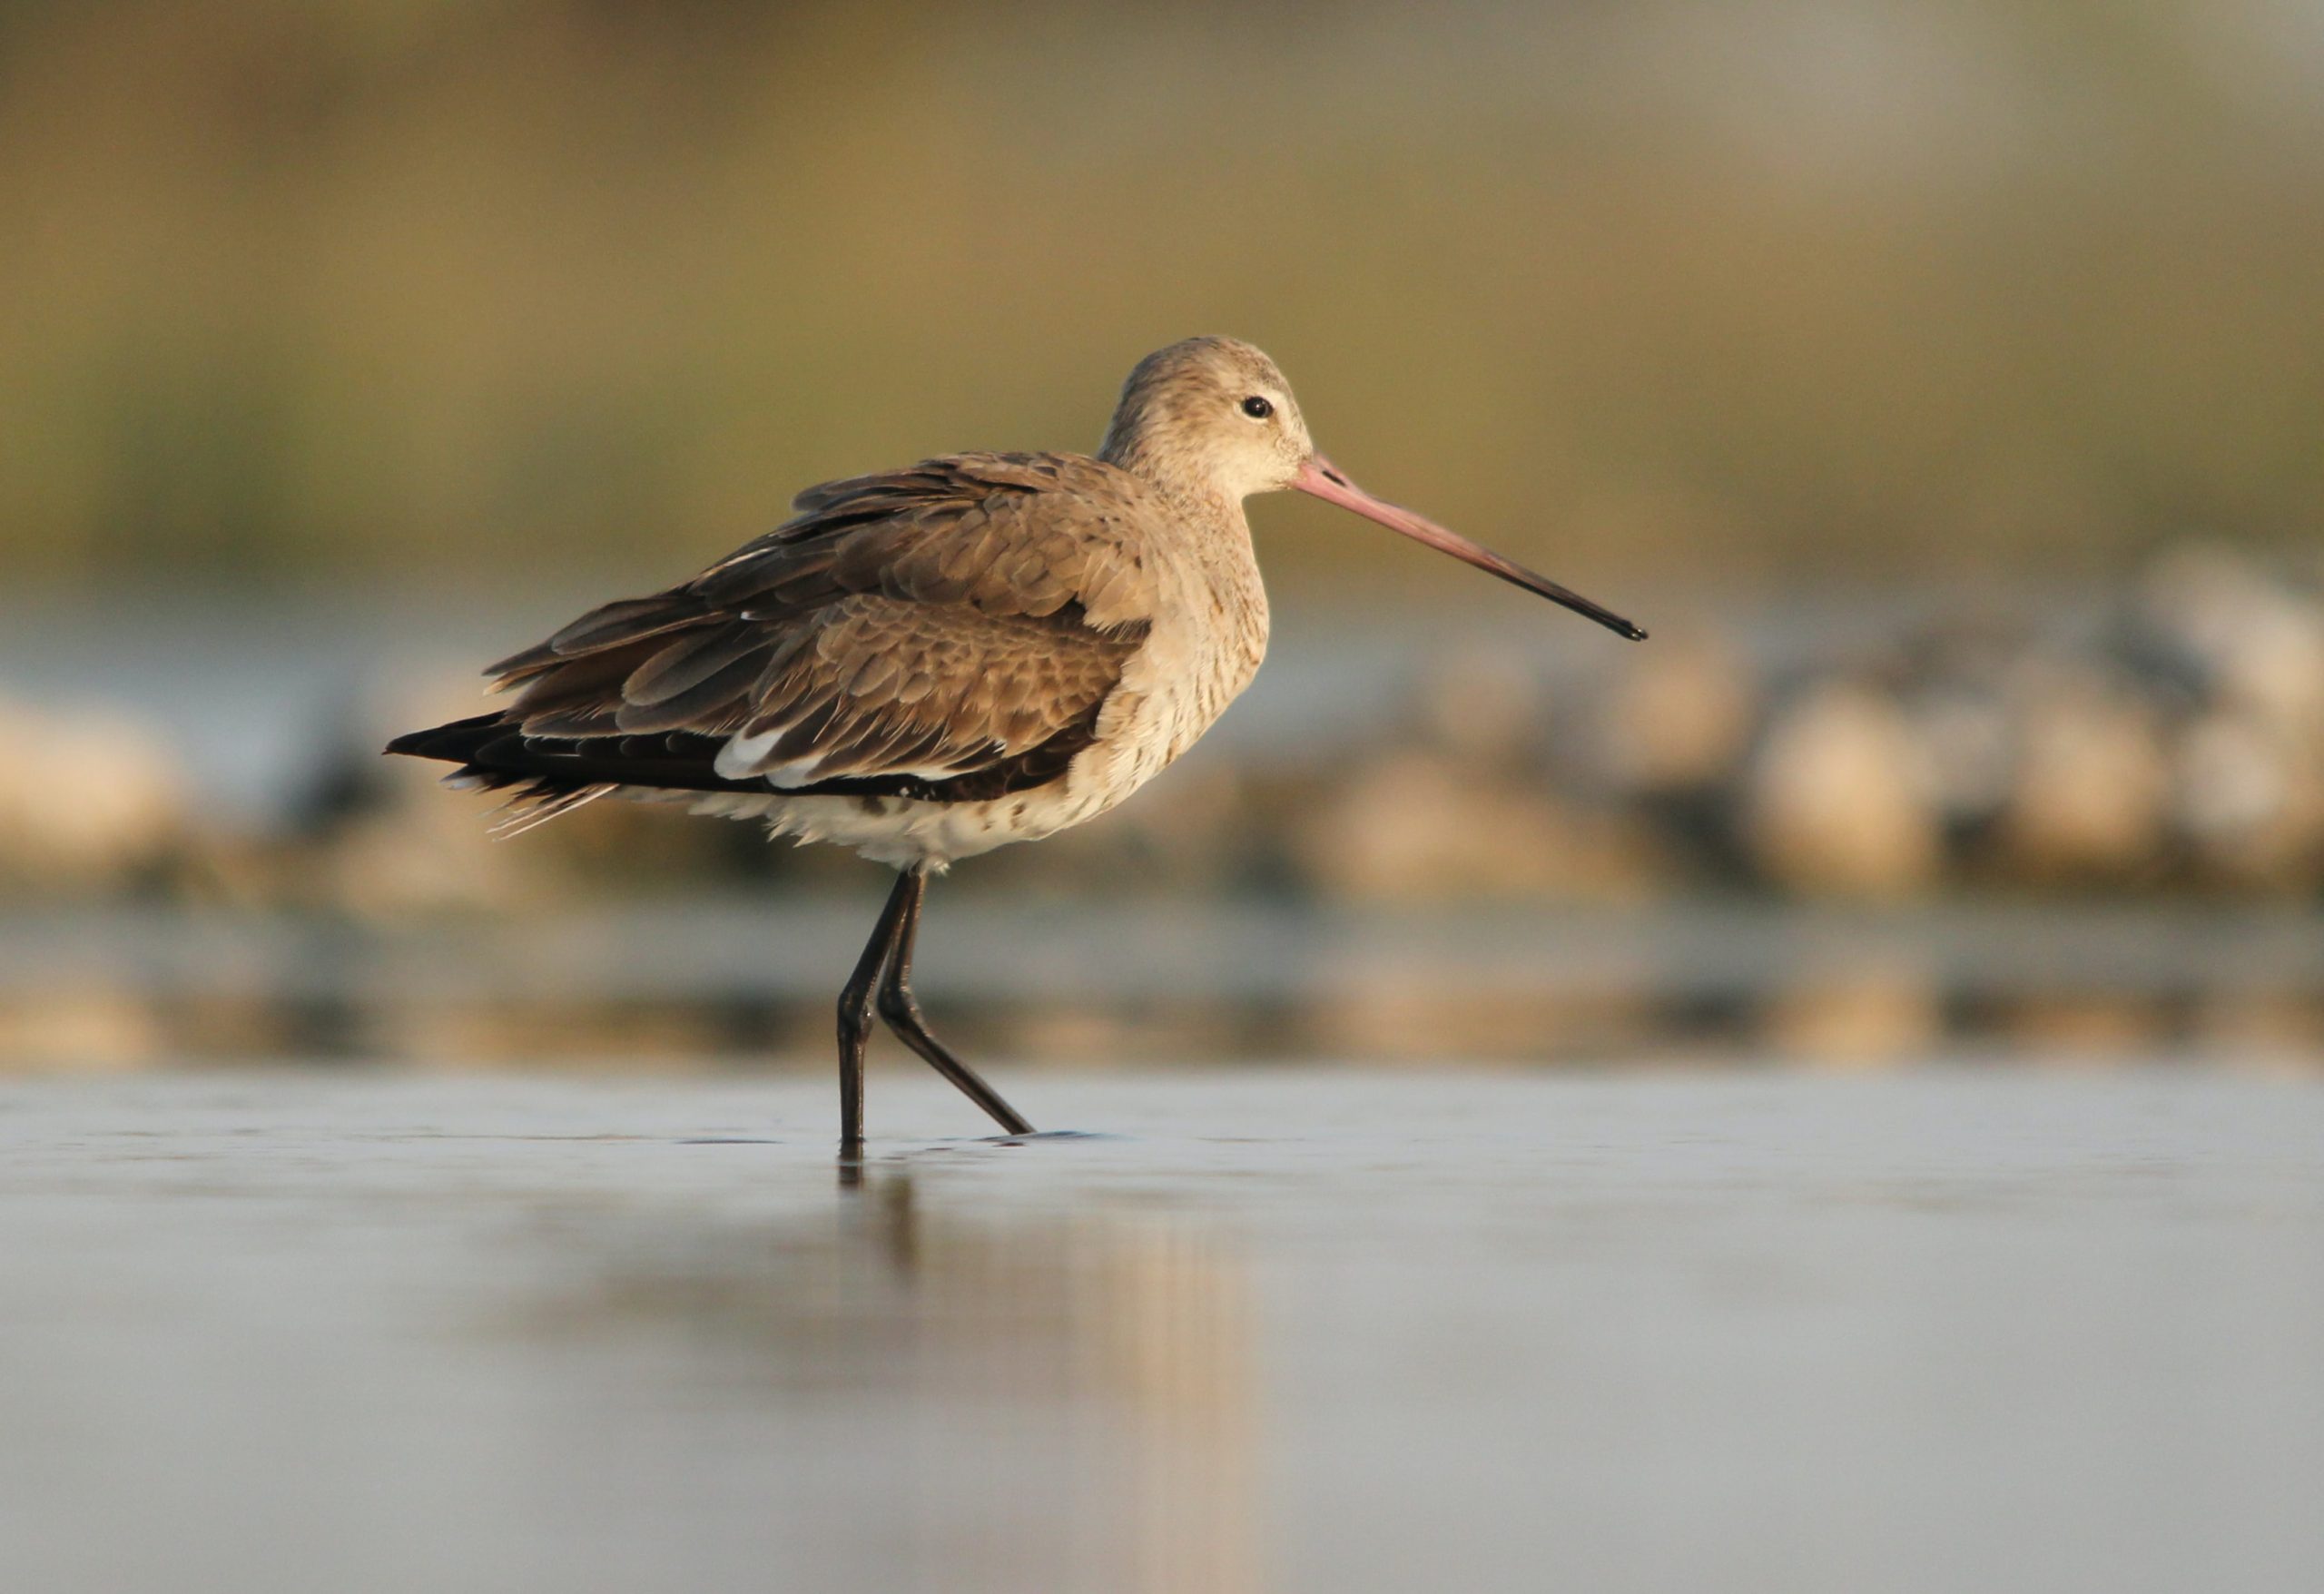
(948, 1396)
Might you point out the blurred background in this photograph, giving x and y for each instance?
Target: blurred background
(1941, 383)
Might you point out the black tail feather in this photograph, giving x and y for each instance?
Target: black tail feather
(494, 753)
(458, 742)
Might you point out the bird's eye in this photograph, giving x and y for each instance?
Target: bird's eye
(1256, 407)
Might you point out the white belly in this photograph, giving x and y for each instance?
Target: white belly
(911, 834)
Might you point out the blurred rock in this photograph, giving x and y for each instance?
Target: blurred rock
(1487, 708)
(1678, 716)
(2249, 800)
(2258, 643)
(2088, 796)
(90, 798)
(1836, 804)
(1414, 826)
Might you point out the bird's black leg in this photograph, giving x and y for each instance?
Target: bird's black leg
(902, 1013)
(855, 1009)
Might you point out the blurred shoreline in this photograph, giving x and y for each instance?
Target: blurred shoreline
(1855, 834)
(2160, 734)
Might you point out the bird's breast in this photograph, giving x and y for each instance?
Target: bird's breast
(1206, 645)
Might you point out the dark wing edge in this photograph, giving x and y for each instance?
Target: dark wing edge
(494, 756)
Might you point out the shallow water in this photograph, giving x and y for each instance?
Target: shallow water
(1305, 1329)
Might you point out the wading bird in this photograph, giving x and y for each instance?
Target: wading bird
(930, 663)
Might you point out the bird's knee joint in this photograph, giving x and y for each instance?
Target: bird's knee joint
(897, 1006)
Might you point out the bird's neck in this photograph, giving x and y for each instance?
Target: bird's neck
(1172, 469)
(1212, 524)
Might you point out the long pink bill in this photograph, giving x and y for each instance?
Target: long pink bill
(1320, 476)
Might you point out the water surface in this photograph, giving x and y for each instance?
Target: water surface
(1305, 1329)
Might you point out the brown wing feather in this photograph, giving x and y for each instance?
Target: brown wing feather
(928, 623)
(933, 690)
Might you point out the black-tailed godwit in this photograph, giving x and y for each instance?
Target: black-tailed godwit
(929, 663)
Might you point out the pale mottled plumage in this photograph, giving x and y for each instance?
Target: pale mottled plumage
(929, 663)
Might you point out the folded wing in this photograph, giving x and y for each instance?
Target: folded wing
(948, 630)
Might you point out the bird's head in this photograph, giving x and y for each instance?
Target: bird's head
(1209, 416)
(1213, 418)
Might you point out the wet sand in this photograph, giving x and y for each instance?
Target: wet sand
(1292, 1330)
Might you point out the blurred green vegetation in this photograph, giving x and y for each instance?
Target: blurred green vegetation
(403, 287)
